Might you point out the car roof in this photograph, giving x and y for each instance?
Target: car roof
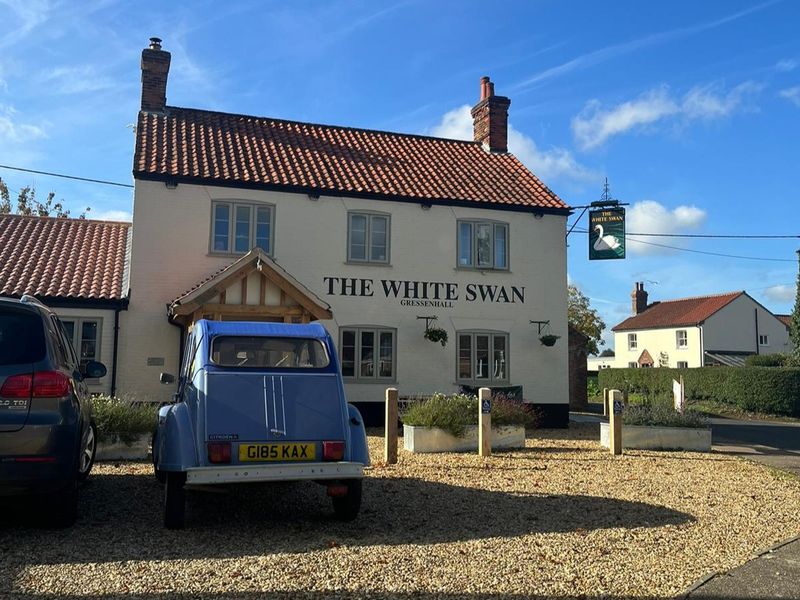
(310, 330)
(28, 302)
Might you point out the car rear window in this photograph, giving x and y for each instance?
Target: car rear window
(269, 352)
(21, 337)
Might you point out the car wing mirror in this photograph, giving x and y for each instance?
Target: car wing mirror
(167, 378)
(94, 370)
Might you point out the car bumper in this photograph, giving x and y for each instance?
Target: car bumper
(278, 472)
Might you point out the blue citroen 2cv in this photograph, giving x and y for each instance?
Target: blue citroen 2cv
(259, 402)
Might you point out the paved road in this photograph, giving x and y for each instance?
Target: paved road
(767, 442)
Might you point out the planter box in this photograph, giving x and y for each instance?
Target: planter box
(660, 438)
(138, 450)
(433, 439)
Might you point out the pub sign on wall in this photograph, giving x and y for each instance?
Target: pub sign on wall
(607, 234)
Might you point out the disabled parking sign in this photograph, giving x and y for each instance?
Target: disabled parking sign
(486, 407)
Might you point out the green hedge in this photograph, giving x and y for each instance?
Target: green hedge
(756, 389)
(767, 360)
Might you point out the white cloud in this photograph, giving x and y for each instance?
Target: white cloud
(786, 65)
(549, 164)
(791, 94)
(75, 80)
(781, 293)
(110, 215)
(649, 216)
(595, 125)
(13, 132)
(29, 15)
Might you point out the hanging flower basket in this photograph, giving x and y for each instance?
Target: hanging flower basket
(436, 334)
(549, 339)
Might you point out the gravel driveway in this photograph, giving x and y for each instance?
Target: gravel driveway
(559, 519)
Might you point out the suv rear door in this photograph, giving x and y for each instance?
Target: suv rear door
(22, 345)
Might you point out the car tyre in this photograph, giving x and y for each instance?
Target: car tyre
(161, 476)
(174, 500)
(87, 453)
(346, 507)
(61, 507)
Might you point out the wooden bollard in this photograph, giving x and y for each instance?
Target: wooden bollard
(484, 422)
(390, 443)
(616, 406)
(605, 402)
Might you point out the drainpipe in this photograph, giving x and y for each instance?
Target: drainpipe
(702, 348)
(117, 310)
(755, 313)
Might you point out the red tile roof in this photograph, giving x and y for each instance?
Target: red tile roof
(62, 258)
(204, 146)
(677, 313)
(785, 319)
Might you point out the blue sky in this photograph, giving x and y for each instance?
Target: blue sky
(691, 109)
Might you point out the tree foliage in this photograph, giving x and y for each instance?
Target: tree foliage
(585, 319)
(794, 327)
(29, 205)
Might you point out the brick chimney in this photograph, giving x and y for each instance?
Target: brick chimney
(638, 298)
(490, 118)
(155, 68)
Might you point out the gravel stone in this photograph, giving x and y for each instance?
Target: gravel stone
(561, 518)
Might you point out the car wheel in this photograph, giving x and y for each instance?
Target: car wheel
(346, 507)
(61, 508)
(88, 450)
(174, 500)
(161, 476)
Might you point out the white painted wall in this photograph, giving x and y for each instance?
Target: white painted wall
(656, 341)
(170, 255)
(106, 340)
(733, 328)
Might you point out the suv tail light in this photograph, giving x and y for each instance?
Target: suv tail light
(219, 452)
(17, 386)
(332, 450)
(50, 384)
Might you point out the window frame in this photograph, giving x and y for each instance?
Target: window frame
(473, 265)
(376, 330)
(633, 341)
(253, 207)
(633, 365)
(492, 380)
(77, 339)
(763, 340)
(683, 364)
(684, 339)
(369, 215)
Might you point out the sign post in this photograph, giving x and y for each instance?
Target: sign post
(607, 233)
(678, 395)
(484, 422)
(605, 402)
(390, 443)
(615, 421)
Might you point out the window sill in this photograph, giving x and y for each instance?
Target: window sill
(479, 383)
(232, 254)
(366, 263)
(375, 381)
(483, 270)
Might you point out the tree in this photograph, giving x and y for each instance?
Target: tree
(585, 319)
(794, 327)
(27, 204)
(607, 353)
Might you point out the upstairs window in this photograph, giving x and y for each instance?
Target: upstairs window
(632, 343)
(681, 339)
(482, 245)
(763, 340)
(236, 227)
(368, 238)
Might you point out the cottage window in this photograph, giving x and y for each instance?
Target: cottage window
(633, 365)
(682, 364)
(482, 245)
(368, 353)
(632, 343)
(238, 227)
(763, 340)
(681, 339)
(368, 238)
(84, 334)
(482, 356)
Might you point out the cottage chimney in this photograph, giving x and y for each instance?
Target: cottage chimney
(490, 118)
(638, 298)
(155, 68)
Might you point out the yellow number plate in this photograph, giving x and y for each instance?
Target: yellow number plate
(265, 452)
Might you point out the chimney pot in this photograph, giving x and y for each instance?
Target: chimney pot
(155, 43)
(490, 118)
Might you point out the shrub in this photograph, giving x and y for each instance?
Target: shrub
(661, 414)
(756, 389)
(767, 360)
(455, 412)
(122, 420)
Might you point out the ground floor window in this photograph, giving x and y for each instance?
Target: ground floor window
(85, 337)
(368, 353)
(482, 356)
(682, 364)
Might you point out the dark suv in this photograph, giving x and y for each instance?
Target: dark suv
(47, 437)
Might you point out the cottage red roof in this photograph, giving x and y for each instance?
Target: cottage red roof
(785, 319)
(227, 149)
(62, 258)
(677, 313)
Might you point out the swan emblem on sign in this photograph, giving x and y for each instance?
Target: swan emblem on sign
(605, 242)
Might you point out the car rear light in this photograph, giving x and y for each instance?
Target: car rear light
(17, 386)
(332, 450)
(219, 452)
(50, 384)
(337, 491)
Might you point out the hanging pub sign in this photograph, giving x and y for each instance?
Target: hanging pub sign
(607, 233)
